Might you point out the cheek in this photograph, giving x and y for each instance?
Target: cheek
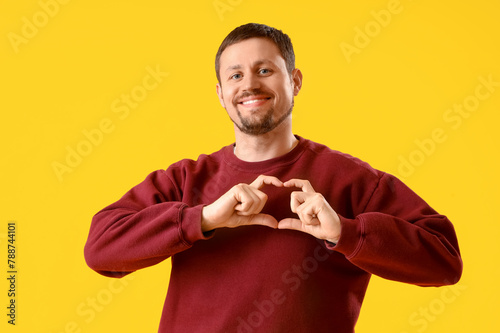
(228, 94)
(286, 95)
(284, 89)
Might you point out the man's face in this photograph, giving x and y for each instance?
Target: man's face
(255, 87)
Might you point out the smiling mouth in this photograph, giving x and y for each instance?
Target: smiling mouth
(256, 101)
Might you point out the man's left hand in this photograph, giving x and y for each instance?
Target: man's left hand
(316, 216)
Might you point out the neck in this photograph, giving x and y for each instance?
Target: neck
(256, 148)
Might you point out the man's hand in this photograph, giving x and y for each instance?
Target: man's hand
(241, 205)
(316, 216)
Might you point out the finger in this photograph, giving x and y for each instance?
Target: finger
(262, 180)
(251, 200)
(247, 202)
(309, 210)
(243, 199)
(303, 184)
(297, 199)
(308, 216)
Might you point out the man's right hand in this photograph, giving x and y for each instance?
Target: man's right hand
(239, 206)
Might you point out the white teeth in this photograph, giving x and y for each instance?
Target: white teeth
(252, 101)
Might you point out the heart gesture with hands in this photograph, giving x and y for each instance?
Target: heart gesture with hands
(243, 203)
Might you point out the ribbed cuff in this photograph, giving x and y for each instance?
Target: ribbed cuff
(190, 225)
(351, 237)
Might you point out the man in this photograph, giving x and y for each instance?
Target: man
(274, 233)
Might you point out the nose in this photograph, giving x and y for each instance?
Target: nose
(251, 82)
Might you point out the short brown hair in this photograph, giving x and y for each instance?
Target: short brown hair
(253, 30)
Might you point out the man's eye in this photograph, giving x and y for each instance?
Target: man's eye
(235, 76)
(264, 71)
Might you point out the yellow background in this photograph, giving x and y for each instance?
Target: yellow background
(373, 104)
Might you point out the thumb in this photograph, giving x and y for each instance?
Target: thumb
(291, 223)
(258, 219)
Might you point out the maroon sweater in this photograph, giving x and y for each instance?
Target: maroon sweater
(259, 279)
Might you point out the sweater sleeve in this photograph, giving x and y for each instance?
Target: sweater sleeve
(399, 237)
(147, 225)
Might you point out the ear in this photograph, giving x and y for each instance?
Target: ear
(219, 93)
(296, 81)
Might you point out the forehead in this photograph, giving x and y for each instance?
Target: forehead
(251, 51)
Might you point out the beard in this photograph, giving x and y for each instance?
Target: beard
(263, 125)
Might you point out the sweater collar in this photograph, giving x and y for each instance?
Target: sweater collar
(266, 165)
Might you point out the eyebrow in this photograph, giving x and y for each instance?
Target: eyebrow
(232, 68)
(257, 63)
